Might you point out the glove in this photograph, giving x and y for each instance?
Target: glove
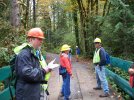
(51, 65)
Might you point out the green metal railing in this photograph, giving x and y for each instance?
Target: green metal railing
(5, 74)
(121, 82)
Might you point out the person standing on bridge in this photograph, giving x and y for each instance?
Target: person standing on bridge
(65, 65)
(31, 69)
(99, 61)
(77, 53)
(70, 54)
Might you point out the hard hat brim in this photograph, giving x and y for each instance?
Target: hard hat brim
(37, 37)
(65, 50)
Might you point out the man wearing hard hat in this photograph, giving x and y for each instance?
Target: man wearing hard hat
(99, 61)
(31, 69)
(66, 69)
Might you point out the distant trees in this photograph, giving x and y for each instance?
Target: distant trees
(75, 22)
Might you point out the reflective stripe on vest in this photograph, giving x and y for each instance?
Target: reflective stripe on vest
(44, 86)
(43, 65)
(47, 76)
(96, 58)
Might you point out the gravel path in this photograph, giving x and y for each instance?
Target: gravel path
(81, 84)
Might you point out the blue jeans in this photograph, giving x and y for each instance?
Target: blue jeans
(101, 78)
(66, 86)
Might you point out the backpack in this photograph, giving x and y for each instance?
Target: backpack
(13, 78)
(12, 64)
(107, 59)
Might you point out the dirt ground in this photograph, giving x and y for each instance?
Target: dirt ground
(81, 84)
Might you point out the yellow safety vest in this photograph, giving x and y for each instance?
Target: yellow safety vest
(18, 49)
(47, 76)
(43, 63)
(96, 58)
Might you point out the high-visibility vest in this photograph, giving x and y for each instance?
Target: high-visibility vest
(47, 76)
(42, 61)
(18, 49)
(96, 58)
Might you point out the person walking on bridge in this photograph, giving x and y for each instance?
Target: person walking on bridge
(99, 61)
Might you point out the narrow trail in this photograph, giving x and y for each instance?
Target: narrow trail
(81, 84)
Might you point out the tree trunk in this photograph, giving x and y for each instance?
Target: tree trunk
(96, 7)
(104, 9)
(108, 8)
(85, 33)
(30, 14)
(34, 13)
(15, 21)
(92, 7)
(84, 19)
(54, 18)
(76, 27)
(26, 17)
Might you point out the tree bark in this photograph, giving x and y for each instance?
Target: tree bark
(84, 19)
(108, 8)
(27, 14)
(96, 7)
(34, 13)
(92, 8)
(104, 9)
(76, 27)
(15, 21)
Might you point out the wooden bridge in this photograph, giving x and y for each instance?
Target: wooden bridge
(5, 74)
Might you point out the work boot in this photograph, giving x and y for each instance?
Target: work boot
(97, 88)
(104, 95)
(61, 95)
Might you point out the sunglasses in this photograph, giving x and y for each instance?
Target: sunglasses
(96, 43)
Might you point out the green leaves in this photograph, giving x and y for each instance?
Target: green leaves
(119, 92)
(4, 57)
(118, 26)
(119, 3)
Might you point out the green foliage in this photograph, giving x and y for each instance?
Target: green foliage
(55, 50)
(117, 29)
(58, 39)
(1, 86)
(114, 86)
(119, 91)
(119, 72)
(69, 39)
(9, 38)
(4, 57)
(8, 43)
(61, 32)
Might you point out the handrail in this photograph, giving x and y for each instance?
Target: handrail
(121, 82)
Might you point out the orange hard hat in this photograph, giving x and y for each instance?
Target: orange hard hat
(36, 32)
